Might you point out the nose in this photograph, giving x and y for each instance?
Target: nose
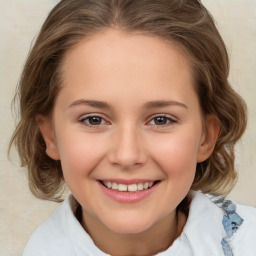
(127, 149)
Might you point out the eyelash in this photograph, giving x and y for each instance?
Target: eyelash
(169, 119)
(83, 120)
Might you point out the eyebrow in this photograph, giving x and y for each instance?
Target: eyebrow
(164, 103)
(150, 105)
(92, 103)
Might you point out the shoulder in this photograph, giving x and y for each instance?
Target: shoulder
(51, 238)
(61, 234)
(243, 240)
(247, 211)
(210, 229)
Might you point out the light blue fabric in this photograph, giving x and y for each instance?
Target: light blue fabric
(231, 222)
(226, 248)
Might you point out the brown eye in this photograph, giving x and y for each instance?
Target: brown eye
(93, 121)
(160, 120)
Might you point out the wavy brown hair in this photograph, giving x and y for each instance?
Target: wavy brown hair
(185, 22)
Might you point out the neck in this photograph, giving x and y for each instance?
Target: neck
(156, 239)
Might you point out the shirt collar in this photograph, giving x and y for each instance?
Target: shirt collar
(204, 227)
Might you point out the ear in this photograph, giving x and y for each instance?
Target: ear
(209, 137)
(47, 131)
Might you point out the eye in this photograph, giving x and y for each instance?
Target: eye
(162, 120)
(93, 120)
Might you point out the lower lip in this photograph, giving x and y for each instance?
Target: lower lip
(128, 197)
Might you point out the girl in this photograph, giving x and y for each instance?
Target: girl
(128, 103)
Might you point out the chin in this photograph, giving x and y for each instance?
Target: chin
(130, 226)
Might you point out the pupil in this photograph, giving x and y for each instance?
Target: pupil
(160, 120)
(94, 120)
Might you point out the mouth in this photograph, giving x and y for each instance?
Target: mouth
(134, 187)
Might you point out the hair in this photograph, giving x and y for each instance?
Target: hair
(184, 22)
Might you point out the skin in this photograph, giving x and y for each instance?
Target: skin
(127, 71)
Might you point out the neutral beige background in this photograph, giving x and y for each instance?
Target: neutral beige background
(20, 21)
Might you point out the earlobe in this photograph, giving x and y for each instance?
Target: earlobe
(209, 138)
(46, 128)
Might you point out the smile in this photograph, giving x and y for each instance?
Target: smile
(128, 188)
(132, 191)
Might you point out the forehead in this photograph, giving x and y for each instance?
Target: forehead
(114, 61)
(116, 49)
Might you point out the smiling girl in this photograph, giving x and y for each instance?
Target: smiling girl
(128, 103)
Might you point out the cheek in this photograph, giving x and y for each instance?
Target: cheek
(176, 154)
(79, 153)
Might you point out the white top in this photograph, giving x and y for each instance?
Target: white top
(63, 235)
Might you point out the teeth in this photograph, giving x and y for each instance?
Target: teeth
(140, 186)
(130, 188)
(122, 187)
(114, 186)
(146, 185)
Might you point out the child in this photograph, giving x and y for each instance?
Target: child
(128, 103)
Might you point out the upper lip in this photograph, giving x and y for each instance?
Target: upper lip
(128, 182)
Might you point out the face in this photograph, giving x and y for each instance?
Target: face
(127, 118)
